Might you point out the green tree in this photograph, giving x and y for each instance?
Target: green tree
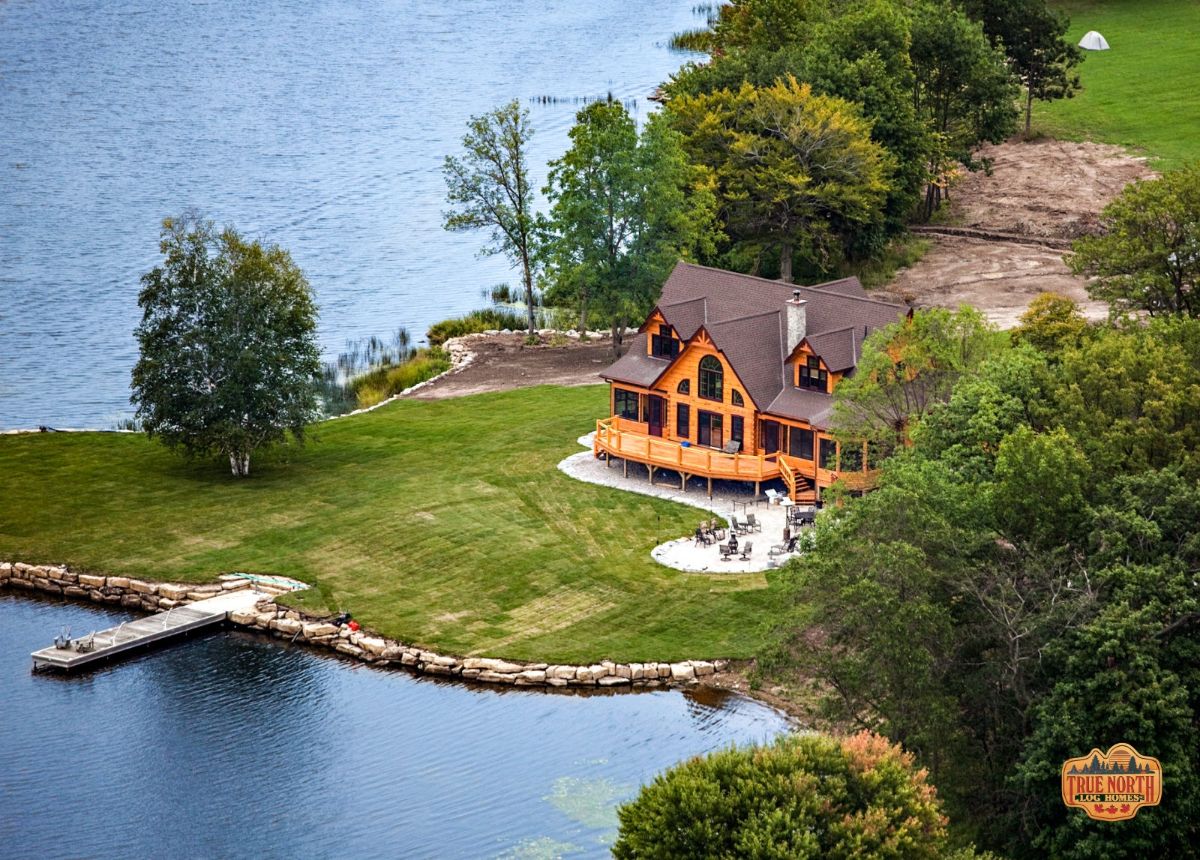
(963, 89)
(488, 188)
(795, 171)
(906, 369)
(1147, 256)
(1051, 323)
(624, 208)
(1041, 479)
(806, 796)
(228, 347)
(1032, 35)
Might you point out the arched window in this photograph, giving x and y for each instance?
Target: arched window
(711, 376)
(684, 387)
(735, 397)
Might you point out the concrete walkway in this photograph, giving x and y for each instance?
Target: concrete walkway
(730, 498)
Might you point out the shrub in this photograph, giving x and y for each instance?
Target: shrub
(475, 321)
(382, 382)
(808, 796)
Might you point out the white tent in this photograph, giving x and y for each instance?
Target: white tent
(1093, 41)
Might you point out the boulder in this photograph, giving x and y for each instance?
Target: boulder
(555, 682)
(142, 587)
(636, 673)
(408, 658)
(91, 581)
(319, 630)
(392, 652)
(444, 660)
(664, 670)
(613, 680)
(75, 591)
(234, 584)
(243, 617)
(347, 648)
(493, 665)
(584, 675)
(682, 672)
(372, 645)
(493, 677)
(703, 667)
(130, 600)
(623, 671)
(532, 676)
(172, 592)
(287, 626)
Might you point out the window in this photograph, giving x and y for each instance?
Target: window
(812, 376)
(663, 344)
(735, 397)
(684, 387)
(852, 459)
(709, 429)
(683, 420)
(625, 403)
(878, 452)
(800, 443)
(737, 431)
(828, 454)
(711, 376)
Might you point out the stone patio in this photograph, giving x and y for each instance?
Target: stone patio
(730, 498)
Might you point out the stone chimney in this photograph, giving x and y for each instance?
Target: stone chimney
(797, 320)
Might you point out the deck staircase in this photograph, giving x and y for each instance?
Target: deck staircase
(800, 489)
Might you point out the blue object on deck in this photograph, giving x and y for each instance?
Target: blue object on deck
(685, 444)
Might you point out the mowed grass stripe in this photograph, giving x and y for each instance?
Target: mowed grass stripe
(442, 523)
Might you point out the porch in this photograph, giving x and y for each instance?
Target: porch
(615, 437)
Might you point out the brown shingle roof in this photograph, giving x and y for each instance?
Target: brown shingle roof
(745, 317)
(635, 366)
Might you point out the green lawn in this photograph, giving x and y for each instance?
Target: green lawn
(1144, 93)
(444, 524)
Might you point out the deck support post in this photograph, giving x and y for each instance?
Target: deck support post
(757, 484)
(625, 466)
(710, 488)
(683, 482)
(650, 473)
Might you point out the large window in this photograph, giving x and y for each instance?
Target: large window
(683, 421)
(828, 454)
(800, 443)
(812, 376)
(663, 344)
(625, 403)
(711, 378)
(709, 429)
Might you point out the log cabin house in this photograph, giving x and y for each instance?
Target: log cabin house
(731, 377)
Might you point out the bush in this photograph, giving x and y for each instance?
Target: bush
(382, 382)
(475, 321)
(809, 796)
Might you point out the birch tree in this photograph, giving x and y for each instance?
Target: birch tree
(228, 352)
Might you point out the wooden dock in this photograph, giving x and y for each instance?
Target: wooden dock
(141, 632)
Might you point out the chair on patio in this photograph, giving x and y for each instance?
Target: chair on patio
(746, 551)
(738, 528)
(728, 550)
(701, 538)
(716, 529)
(753, 524)
(774, 497)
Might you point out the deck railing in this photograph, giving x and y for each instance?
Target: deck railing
(611, 438)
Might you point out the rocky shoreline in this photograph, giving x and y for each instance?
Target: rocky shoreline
(320, 632)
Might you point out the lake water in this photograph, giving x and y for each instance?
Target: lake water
(318, 125)
(232, 745)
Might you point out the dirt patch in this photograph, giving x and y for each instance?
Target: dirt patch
(1042, 190)
(504, 361)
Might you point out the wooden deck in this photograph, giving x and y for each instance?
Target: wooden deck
(142, 632)
(690, 461)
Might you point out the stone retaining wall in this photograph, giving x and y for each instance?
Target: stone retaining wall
(295, 626)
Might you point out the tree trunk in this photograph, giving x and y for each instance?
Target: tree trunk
(785, 262)
(618, 335)
(583, 311)
(528, 274)
(239, 463)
